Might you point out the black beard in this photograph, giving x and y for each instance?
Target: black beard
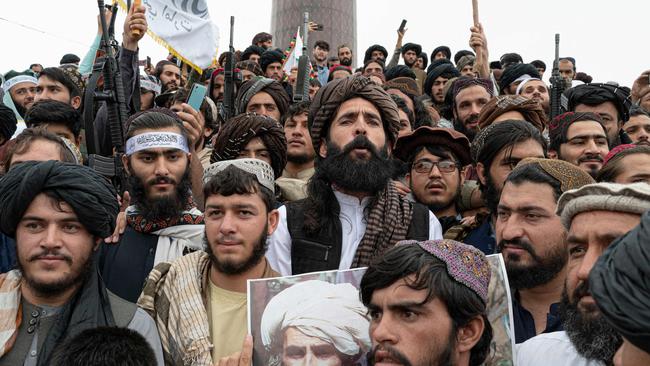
(234, 268)
(164, 207)
(299, 159)
(409, 65)
(542, 271)
(346, 61)
(592, 336)
(460, 127)
(47, 290)
(356, 175)
(20, 109)
(491, 195)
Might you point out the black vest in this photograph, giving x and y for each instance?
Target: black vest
(323, 252)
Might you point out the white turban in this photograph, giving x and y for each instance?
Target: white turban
(331, 312)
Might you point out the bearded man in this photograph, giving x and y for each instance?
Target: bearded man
(163, 223)
(353, 212)
(240, 214)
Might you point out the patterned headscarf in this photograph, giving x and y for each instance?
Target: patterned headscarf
(464, 83)
(333, 94)
(258, 84)
(559, 126)
(531, 110)
(240, 130)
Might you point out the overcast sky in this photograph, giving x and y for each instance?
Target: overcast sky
(607, 38)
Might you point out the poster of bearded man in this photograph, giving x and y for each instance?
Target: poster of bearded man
(316, 316)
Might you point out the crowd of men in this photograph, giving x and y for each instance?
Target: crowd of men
(415, 170)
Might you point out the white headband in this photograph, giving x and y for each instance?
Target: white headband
(150, 85)
(151, 140)
(8, 84)
(523, 82)
(261, 169)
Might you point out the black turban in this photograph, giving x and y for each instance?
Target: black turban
(252, 50)
(412, 47)
(269, 57)
(240, 130)
(620, 284)
(329, 98)
(257, 84)
(436, 63)
(597, 93)
(90, 195)
(8, 122)
(399, 71)
(373, 48)
(443, 49)
(515, 71)
(446, 69)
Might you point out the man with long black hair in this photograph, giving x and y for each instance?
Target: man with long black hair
(353, 212)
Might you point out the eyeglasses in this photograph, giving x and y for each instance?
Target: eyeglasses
(425, 166)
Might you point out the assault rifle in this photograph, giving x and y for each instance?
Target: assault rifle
(227, 109)
(116, 108)
(301, 93)
(558, 84)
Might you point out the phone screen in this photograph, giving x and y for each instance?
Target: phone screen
(195, 99)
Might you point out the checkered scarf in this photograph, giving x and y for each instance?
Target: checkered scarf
(388, 223)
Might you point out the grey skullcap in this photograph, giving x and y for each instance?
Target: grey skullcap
(629, 198)
(259, 168)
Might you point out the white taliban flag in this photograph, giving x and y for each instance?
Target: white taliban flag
(183, 27)
(296, 52)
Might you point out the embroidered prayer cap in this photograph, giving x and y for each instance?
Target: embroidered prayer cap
(259, 168)
(466, 264)
(433, 136)
(568, 175)
(630, 198)
(330, 97)
(532, 110)
(71, 71)
(615, 151)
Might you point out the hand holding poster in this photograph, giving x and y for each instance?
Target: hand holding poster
(184, 27)
(289, 316)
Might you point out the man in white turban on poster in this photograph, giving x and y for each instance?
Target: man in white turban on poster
(316, 323)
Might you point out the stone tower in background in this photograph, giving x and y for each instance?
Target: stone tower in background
(338, 18)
